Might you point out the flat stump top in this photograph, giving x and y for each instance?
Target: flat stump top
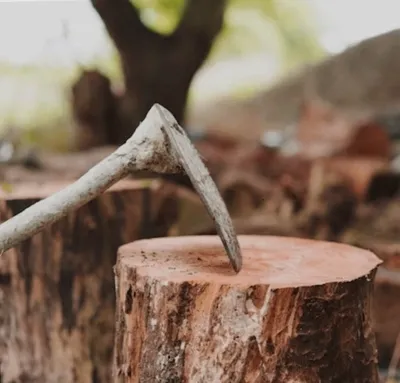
(276, 261)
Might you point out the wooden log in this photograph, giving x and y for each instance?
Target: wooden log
(299, 311)
(57, 297)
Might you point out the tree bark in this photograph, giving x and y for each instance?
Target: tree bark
(299, 311)
(386, 302)
(159, 68)
(57, 297)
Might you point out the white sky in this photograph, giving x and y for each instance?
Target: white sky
(32, 30)
(348, 21)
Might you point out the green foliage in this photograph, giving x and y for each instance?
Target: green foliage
(160, 15)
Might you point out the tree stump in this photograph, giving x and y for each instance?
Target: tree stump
(57, 296)
(299, 311)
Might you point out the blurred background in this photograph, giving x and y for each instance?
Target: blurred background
(80, 75)
(45, 44)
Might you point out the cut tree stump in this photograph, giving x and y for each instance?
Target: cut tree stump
(299, 311)
(57, 296)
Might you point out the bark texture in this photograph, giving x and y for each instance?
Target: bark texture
(386, 303)
(57, 296)
(299, 311)
(158, 68)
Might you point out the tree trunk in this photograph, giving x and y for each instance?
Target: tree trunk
(57, 297)
(159, 68)
(299, 311)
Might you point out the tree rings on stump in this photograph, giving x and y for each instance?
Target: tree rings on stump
(299, 311)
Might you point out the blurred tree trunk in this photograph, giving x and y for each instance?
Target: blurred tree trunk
(159, 68)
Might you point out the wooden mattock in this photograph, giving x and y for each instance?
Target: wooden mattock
(299, 311)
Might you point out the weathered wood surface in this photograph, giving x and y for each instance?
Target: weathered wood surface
(57, 296)
(299, 311)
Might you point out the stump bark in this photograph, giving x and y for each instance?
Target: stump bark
(57, 297)
(299, 311)
(386, 303)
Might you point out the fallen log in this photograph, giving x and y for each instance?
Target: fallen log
(299, 311)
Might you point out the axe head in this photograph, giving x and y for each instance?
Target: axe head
(189, 159)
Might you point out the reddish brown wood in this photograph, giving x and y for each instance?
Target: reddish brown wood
(57, 297)
(324, 131)
(369, 140)
(299, 311)
(357, 172)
